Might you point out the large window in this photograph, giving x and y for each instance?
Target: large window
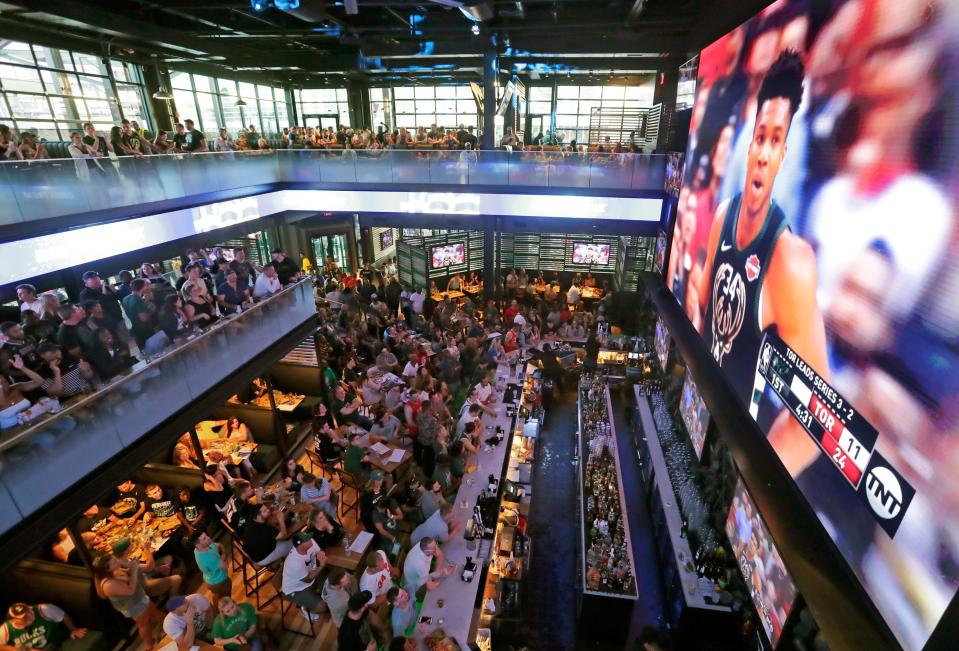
(421, 106)
(686, 86)
(575, 105)
(52, 92)
(214, 103)
(323, 107)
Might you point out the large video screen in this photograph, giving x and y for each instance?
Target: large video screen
(694, 413)
(445, 255)
(590, 253)
(674, 172)
(661, 343)
(815, 252)
(769, 584)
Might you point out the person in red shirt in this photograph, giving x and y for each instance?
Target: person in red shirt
(510, 313)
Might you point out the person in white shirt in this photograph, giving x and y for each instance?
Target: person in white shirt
(377, 579)
(186, 618)
(417, 299)
(300, 572)
(267, 283)
(411, 367)
(484, 391)
(416, 568)
(572, 296)
(27, 295)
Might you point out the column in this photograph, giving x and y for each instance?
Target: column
(490, 70)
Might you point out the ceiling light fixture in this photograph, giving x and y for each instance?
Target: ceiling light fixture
(239, 102)
(475, 29)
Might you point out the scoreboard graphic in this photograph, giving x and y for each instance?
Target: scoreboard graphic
(843, 435)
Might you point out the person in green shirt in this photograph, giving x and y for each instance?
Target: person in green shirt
(37, 627)
(235, 627)
(354, 457)
(212, 565)
(140, 310)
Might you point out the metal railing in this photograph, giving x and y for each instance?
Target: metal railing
(45, 458)
(34, 190)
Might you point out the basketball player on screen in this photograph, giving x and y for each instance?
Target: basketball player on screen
(759, 275)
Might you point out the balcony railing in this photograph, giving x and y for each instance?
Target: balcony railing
(34, 190)
(40, 461)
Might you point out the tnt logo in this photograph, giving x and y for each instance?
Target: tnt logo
(884, 492)
(887, 493)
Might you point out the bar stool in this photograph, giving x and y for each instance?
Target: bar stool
(348, 481)
(286, 605)
(327, 468)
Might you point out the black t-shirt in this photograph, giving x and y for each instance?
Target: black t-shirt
(193, 139)
(89, 523)
(286, 270)
(179, 140)
(99, 144)
(349, 638)
(259, 539)
(109, 301)
(162, 507)
(128, 503)
(191, 508)
(68, 336)
(117, 149)
(233, 296)
(26, 349)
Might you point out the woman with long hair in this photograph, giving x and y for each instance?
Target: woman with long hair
(124, 585)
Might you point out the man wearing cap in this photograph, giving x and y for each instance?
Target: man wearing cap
(94, 289)
(286, 269)
(416, 567)
(187, 619)
(301, 575)
(355, 628)
(43, 626)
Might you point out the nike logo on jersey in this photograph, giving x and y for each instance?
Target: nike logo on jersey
(725, 247)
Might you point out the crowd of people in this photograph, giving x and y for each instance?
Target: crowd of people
(58, 350)
(130, 139)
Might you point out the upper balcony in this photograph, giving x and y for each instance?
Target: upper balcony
(32, 191)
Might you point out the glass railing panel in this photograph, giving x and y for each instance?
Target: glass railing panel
(34, 190)
(410, 165)
(449, 168)
(488, 167)
(9, 516)
(48, 188)
(62, 451)
(338, 166)
(298, 166)
(610, 171)
(568, 170)
(528, 168)
(649, 172)
(374, 166)
(39, 462)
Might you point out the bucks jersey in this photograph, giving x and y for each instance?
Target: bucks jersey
(733, 323)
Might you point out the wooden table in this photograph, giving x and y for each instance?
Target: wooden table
(336, 554)
(473, 289)
(454, 295)
(137, 533)
(235, 451)
(380, 461)
(284, 401)
(590, 292)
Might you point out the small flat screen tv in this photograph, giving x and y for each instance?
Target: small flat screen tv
(694, 413)
(386, 239)
(769, 584)
(446, 255)
(590, 253)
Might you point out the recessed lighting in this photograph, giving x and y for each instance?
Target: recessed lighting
(475, 29)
